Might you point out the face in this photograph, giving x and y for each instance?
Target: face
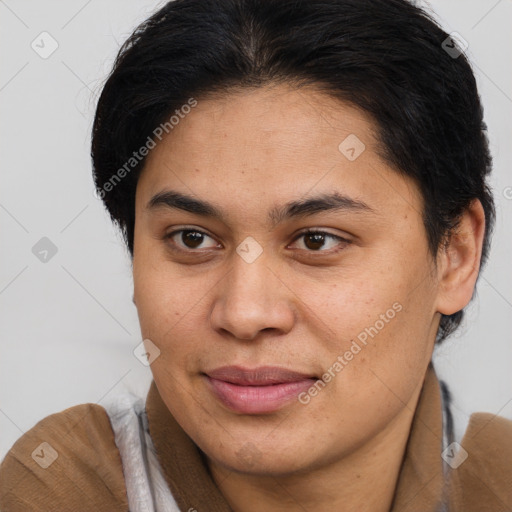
(289, 335)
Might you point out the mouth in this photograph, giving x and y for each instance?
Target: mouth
(258, 391)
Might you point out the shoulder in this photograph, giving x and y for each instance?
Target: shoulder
(68, 461)
(485, 476)
(488, 439)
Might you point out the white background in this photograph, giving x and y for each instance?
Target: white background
(68, 326)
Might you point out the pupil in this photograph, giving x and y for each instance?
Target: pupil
(192, 236)
(318, 240)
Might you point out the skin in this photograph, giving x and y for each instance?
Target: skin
(297, 306)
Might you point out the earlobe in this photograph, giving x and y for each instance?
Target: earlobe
(459, 261)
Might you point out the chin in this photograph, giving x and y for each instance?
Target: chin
(262, 458)
(245, 461)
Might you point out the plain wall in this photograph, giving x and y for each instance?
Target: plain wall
(68, 325)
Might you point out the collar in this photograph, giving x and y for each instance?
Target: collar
(421, 480)
(419, 485)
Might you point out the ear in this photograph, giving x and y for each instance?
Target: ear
(459, 261)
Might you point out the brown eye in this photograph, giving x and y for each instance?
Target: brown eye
(185, 239)
(194, 238)
(314, 241)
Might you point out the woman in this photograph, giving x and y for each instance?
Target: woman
(302, 188)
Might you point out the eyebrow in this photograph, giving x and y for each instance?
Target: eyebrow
(278, 214)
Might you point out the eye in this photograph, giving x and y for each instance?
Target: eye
(189, 239)
(315, 240)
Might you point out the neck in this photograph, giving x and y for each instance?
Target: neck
(363, 481)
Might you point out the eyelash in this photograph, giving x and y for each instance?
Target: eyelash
(343, 241)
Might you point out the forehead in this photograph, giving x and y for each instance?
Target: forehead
(280, 119)
(267, 145)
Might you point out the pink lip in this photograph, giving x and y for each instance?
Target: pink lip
(258, 391)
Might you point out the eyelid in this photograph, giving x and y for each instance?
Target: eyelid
(322, 231)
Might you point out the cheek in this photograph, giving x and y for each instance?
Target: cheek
(171, 313)
(384, 360)
(349, 302)
(377, 322)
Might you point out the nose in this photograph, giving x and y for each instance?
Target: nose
(252, 298)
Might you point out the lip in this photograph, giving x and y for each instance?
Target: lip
(257, 391)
